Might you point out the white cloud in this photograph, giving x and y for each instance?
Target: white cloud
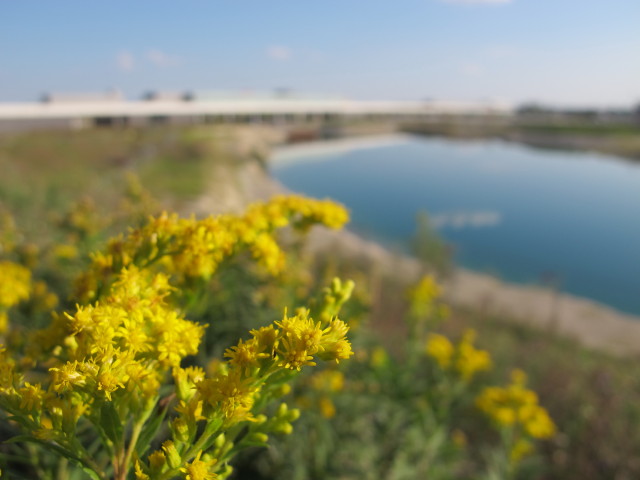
(479, 2)
(125, 61)
(162, 59)
(279, 53)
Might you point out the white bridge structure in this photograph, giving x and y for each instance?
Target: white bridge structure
(85, 111)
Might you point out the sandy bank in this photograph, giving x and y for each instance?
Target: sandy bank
(593, 324)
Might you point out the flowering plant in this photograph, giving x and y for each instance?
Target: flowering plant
(109, 387)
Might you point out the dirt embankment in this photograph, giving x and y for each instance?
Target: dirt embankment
(592, 324)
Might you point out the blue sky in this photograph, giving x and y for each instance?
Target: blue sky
(562, 52)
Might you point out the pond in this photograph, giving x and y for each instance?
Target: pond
(525, 215)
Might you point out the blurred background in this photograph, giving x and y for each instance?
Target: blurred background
(494, 144)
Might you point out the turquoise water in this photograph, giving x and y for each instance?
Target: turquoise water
(519, 213)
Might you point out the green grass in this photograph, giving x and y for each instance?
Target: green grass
(47, 171)
(583, 129)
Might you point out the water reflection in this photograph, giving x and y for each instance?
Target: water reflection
(460, 220)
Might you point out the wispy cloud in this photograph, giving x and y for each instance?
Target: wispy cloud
(279, 53)
(162, 59)
(125, 61)
(479, 2)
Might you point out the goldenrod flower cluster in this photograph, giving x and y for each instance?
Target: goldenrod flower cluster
(423, 300)
(464, 358)
(104, 368)
(426, 291)
(106, 364)
(191, 248)
(515, 408)
(215, 404)
(516, 405)
(15, 286)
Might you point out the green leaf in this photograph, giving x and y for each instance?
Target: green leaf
(149, 431)
(251, 443)
(60, 451)
(211, 429)
(111, 423)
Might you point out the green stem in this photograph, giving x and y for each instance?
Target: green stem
(62, 471)
(507, 469)
(135, 434)
(196, 447)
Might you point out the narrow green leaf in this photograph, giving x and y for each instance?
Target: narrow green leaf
(59, 450)
(149, 431)
(111, 423)
(211, 429)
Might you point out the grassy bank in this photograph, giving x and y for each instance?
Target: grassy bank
(49, 170)
(620, 140)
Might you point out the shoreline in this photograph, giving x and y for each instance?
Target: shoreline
(593, 324)
(625, 146)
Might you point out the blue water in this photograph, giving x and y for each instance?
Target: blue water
(519, 213)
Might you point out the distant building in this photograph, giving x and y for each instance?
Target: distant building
(83, 97)
(156, 96)
(258, 95)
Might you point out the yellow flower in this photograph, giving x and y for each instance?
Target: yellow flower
(245, 355)
(301, 339)
(540, 425)
(4, 322)
(439, 348)
(31, 397)
(463, 358)
(157, 461)
(108, 382)
(199, 470)
(232, 394)
(294, 358)
(470, 360)
(140, 475)
(67, 376)
(185, 380)
(15, 284)
(8, 375)
(65, 251)
(191, 410)
(326, 406)
(521, 448)
(266, 338)
(515, 405)
(423, 299)
(268, 254)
